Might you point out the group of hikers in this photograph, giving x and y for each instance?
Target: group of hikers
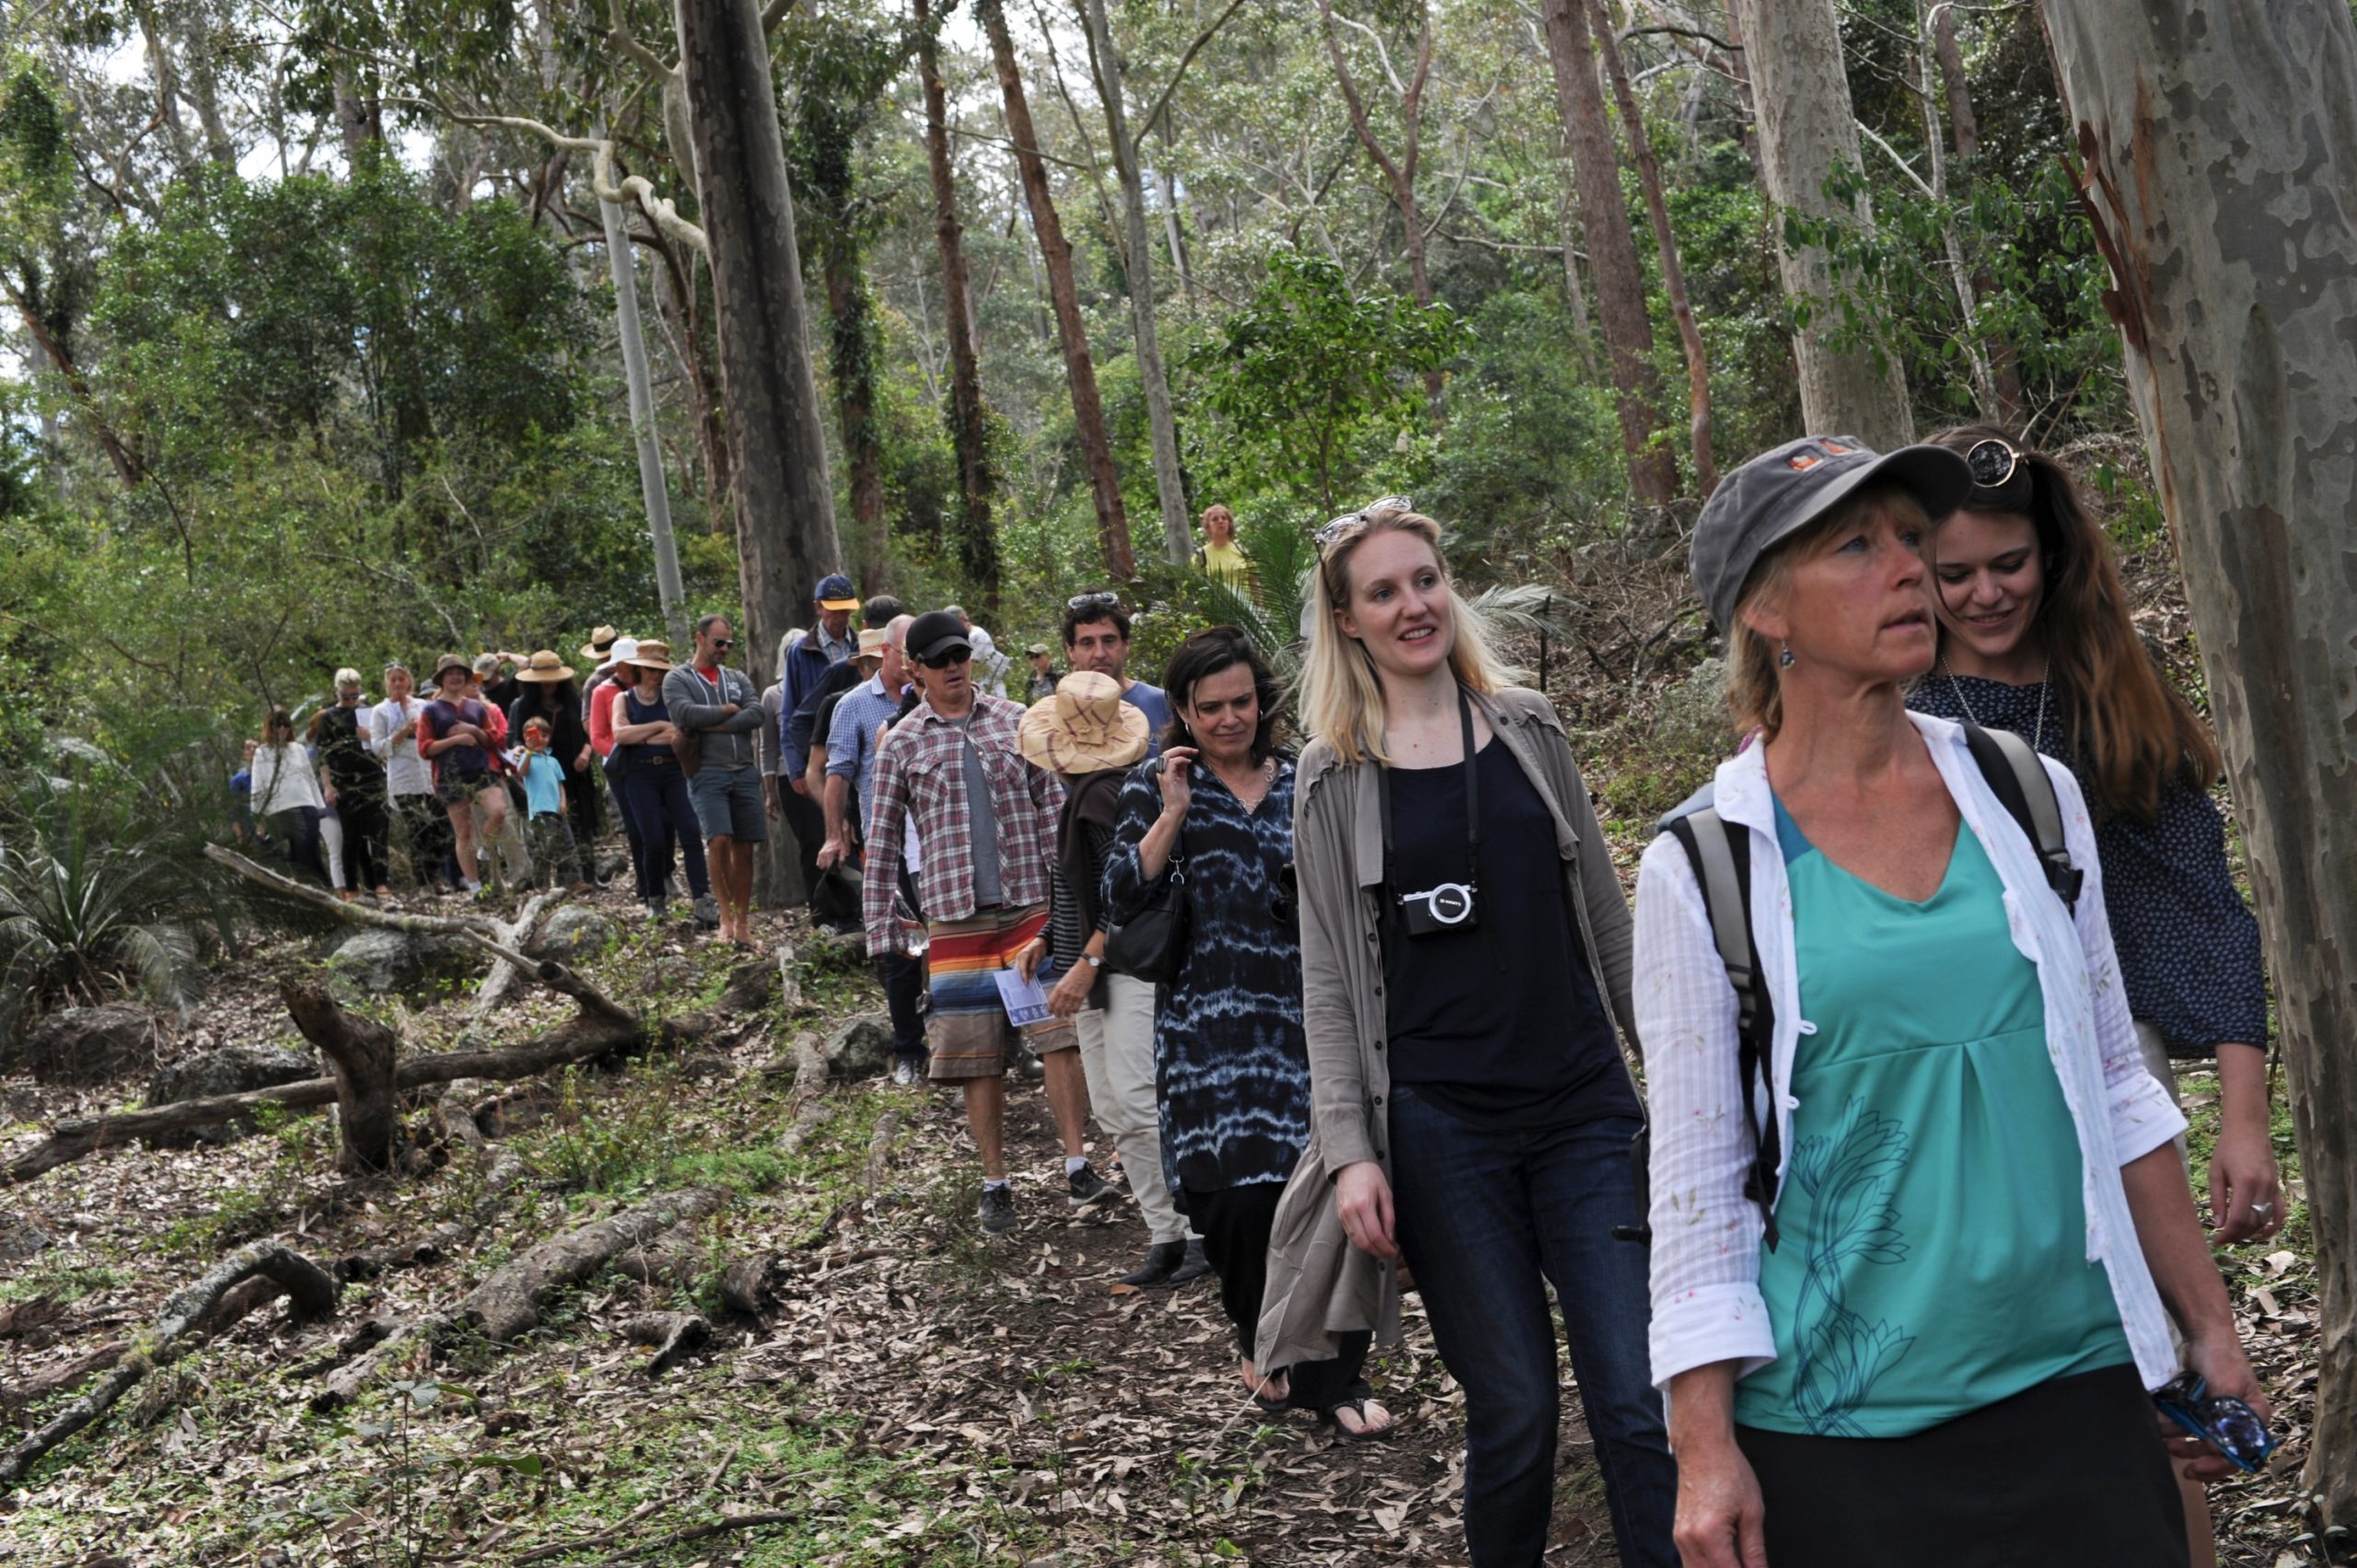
(1888, 1255)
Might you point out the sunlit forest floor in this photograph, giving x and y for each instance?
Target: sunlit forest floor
(903, 1393)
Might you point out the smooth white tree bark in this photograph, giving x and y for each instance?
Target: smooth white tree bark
(621, 261)
(2218, 140)
(1807, 127)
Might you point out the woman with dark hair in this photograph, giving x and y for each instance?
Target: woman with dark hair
(287, 799)
(1931, 1234)
(656, 788)
(2035, 636)
(1232, 1078)
(546, 689)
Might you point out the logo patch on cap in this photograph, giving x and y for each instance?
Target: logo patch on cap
(1803, 461)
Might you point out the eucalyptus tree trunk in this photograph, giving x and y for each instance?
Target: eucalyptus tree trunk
(1399, 173)
(2008, 404)
(1612, 251)
(2219, 143)
(1807, 128)
(1673, 275)
(621, 261)
(1064, 295)
(1162, 421)
(968, 433)
(779, 485)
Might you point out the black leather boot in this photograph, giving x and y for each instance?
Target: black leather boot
(1193, 1267)
(1162, 1261)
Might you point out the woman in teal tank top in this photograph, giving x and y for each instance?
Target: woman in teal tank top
(1940, 1352)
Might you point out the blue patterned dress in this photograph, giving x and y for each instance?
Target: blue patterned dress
(1231, 1064)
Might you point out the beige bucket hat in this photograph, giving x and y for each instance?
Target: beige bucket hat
(545, 668)
(1085, 728)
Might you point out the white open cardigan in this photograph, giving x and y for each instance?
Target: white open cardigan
(1706, 1300)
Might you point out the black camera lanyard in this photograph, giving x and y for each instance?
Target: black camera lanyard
(1472, 807)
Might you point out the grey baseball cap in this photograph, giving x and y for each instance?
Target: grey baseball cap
(1788, 487)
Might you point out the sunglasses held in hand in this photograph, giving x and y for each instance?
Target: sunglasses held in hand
(2220, 1420)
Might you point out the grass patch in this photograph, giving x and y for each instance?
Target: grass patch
(68, 1277)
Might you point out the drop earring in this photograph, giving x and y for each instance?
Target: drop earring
(1785, 661)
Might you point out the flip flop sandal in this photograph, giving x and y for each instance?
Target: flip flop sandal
(1358, 1404)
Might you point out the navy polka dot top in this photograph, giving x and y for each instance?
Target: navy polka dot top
(2189, 947)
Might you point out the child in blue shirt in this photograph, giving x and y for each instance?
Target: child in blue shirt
(555, 859)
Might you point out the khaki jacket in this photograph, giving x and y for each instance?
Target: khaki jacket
(1320, 1285)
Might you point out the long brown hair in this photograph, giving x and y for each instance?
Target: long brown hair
(2133, 729)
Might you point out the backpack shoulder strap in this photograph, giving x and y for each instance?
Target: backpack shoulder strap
(2024, 788)
(1720, 853)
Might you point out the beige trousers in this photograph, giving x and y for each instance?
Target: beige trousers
(1117, 1057)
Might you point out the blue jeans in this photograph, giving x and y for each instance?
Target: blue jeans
(1488, 1217)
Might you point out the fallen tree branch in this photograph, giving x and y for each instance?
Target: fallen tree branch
(361, 1054)
(58, 1380)
(353, 914)
(570, 1043)
(505, 977)
(313, 1288)
(809, 1078)
(696, 1533)
(508, 1303)
(675, 1336)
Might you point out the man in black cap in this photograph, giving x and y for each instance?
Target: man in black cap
(832, 642)
(985, 821)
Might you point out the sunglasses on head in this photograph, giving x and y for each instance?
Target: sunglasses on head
(944, 661)
(1992, 462)
(1099, 601)
(1349, 523)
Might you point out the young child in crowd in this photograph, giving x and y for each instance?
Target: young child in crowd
(554, 857)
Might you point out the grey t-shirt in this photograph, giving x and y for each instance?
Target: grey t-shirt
(989, 893)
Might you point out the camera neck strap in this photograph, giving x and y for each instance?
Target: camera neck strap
(1472, 800)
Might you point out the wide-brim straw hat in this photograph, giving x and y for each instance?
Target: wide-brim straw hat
(651, 654)
(1085, 728)
(599, 646)
(873, 641)
(546, 668)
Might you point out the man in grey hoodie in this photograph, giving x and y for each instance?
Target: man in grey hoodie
(721, 706)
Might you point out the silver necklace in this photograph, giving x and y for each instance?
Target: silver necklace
(2038, 731)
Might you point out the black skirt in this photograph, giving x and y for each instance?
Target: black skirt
(2068, 1474)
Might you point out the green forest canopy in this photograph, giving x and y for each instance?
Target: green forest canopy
(307, 368)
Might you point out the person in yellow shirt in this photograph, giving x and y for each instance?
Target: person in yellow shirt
(1220, 558)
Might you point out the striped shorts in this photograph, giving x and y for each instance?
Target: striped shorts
(969, 1029)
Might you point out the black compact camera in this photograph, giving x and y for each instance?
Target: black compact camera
(1442, 906)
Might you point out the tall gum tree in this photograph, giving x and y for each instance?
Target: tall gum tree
(784, 499)
(1611, 249)
(968, 432)
(1137, 267)
(2218, 152)
(1807, 128)
(1064, 295)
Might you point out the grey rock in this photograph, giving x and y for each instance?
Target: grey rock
(232, 1069)
(573, 934)
(89, 1045)
(18, 1242)
(859, 1047)
(377, 960)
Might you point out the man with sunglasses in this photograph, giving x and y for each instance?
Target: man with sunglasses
(705, 696)
(986, 818)
(1097, 636)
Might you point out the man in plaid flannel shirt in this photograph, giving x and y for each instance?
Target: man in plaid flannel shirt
(986, 818)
